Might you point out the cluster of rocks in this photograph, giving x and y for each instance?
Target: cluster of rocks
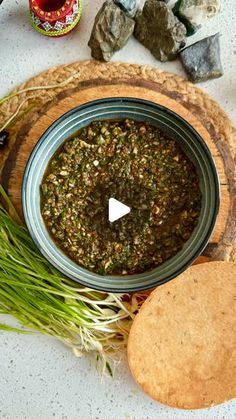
(161, 29)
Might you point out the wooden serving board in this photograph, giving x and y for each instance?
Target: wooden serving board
(16, 166)
(34, 126)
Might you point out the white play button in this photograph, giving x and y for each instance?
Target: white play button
(117, 210)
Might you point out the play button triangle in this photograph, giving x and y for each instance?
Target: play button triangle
(116, 209)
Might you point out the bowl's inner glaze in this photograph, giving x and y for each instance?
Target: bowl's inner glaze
(120, 108)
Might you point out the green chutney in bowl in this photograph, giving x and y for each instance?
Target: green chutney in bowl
(140, 154)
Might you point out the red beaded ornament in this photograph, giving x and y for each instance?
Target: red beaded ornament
(55, 17)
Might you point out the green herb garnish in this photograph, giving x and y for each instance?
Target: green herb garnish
(43, 300)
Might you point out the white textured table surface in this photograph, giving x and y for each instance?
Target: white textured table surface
(40, 378)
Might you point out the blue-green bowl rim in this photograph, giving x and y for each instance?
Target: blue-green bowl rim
(186, 125)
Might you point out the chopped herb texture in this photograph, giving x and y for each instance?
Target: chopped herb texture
(137, 164)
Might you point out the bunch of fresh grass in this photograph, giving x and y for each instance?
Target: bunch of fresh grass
(42, 299)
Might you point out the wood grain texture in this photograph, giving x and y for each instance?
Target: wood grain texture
(96, 92)
(88, 80)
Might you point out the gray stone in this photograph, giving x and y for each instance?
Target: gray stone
(194, 12)
(128, 6)
(111, 31)
(159, 30)
(202, 59)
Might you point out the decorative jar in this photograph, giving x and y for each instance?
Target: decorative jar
(55, 17)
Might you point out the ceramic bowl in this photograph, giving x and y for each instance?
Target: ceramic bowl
(114, 108)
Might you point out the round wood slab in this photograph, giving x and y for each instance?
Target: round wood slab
(92, 80)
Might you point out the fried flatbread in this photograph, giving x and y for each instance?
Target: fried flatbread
(182, 344)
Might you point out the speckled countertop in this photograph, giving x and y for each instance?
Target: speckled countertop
(39, 377)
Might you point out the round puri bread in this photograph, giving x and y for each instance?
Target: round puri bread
(182, 344)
